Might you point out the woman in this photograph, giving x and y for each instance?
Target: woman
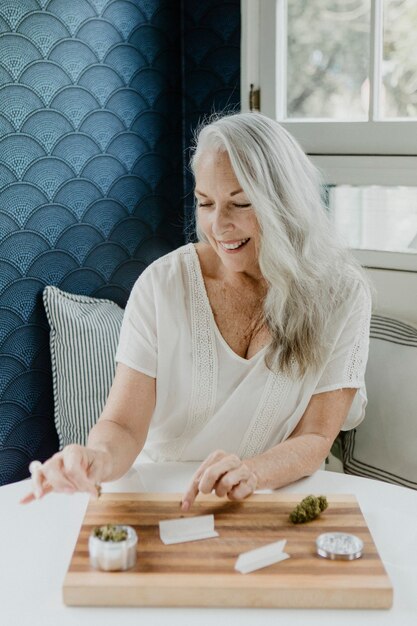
(254, 340)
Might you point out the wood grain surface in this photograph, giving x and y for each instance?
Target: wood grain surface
(201, 573)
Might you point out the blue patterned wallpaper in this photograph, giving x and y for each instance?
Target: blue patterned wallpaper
(211, 73)
(97, 102)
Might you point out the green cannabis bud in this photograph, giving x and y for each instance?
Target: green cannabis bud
(110, 532)
(308, 509)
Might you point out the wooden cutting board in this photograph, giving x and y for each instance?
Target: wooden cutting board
(201, 573)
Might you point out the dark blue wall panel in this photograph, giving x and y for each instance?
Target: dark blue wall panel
(211, 73)
(98, 99)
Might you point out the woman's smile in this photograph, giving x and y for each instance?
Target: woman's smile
(232, 247)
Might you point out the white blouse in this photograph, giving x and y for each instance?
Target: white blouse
(207, 396)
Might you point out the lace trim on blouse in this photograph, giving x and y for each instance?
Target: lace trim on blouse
(357, 358)
(204, 371)
(259, 433)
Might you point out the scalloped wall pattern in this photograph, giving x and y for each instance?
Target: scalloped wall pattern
(211, 74)
(98, 100)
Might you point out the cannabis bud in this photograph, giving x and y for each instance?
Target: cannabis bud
(110, 532)
(308, 509)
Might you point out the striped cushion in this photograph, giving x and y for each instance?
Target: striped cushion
(383, 446)
(84, 333)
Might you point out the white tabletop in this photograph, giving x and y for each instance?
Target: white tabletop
(39, 539)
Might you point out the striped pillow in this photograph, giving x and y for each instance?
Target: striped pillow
(84, 333)
(383, 446)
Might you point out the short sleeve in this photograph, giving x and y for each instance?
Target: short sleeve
(346, 364)
(137, 346)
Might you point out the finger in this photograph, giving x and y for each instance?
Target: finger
(243, 489)
(217, 455)
(214, 472)
(231, 479)
(38, 478)
(54, 472)
(192, 492)
(190, 495)
(75, 467)
(30, 497)
(34, 465)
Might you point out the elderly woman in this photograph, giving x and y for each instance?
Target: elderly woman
(245, 351)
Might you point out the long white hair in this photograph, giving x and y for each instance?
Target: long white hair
(308, 270)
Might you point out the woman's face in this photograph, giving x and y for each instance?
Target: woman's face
(225, 215)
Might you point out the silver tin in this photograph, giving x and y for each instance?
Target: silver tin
(339, 546)
(113, 556)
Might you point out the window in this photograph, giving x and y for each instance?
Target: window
(341, 76)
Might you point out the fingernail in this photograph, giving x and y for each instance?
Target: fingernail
(38, 493)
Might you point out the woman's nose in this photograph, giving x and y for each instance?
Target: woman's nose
(221, 220)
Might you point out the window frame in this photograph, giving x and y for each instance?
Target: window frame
(369, 152)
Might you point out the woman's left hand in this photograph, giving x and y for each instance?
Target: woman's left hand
(226, 473)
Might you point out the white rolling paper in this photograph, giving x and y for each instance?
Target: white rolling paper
(261, 557)
(187, 529)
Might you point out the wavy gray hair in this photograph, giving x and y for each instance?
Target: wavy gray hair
(308, 269)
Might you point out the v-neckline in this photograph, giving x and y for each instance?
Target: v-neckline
(211, 314)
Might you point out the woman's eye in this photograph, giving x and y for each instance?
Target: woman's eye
(240, 206)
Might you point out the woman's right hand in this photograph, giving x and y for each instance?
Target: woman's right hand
(75, 468)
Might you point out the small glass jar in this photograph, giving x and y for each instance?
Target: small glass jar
(113, 556)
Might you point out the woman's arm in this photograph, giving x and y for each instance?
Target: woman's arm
(298, 456)
(308, 445)
(113, 443)
(123, 425)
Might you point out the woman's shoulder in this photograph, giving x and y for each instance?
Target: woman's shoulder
(172, 258)
(349, 287)
(355, 306)
(170, 263)
(360, 293)
(163, 273)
